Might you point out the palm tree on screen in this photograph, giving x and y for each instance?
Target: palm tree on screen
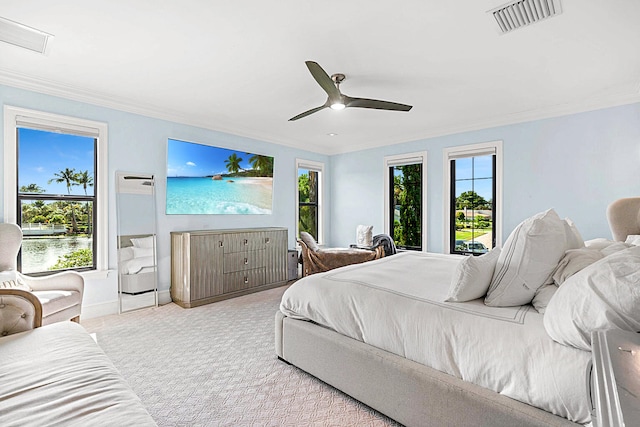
(233, 163)
(264, 164)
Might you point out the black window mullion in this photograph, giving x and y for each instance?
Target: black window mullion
(452, 215)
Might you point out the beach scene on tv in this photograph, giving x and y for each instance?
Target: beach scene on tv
(202, 179)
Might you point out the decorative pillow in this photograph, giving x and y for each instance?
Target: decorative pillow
(543, 296)
(605, 295)
(143, 242)
(633, 239)
(529, 256)
(309, 241)
(364, 235)
(142, 252)
(472, 277)
(573, 261)
(10, 279)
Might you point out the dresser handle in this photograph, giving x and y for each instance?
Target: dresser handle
(627, 351)
(267, 240)
(246, 279)
(246, 242)
(246, 261)
(220, 243)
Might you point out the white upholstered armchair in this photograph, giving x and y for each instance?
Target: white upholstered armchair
(60, 294)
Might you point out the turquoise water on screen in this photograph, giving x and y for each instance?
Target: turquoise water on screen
(230, 196)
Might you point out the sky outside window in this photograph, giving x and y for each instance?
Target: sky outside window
(42, 154)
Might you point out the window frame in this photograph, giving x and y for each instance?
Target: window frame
(50, 121)
(316, 167)
(465, 151)
(401, 160)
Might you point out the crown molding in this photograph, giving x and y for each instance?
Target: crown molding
(554, 111)
(48, 87)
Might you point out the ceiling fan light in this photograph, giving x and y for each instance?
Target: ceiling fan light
(337, 106)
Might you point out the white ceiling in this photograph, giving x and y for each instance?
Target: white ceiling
(238, 67)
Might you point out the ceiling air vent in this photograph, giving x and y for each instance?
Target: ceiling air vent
(517, 14)
(23, 36)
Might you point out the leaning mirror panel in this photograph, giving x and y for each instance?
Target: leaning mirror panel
(137, 256)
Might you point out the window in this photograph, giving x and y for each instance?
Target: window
(474, 194)
(55, 189)
(405, 200)
(309, 198)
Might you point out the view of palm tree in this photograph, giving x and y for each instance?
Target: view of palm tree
(233, 163)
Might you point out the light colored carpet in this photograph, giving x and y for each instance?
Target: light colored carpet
(216, 365)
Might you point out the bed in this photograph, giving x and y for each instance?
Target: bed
(136, 263)
(402, 335)
(57, 375)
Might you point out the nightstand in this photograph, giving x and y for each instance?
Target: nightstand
(615, 382)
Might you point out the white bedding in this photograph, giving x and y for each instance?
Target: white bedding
(57, 375)
(397, 304)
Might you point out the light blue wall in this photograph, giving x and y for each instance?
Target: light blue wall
(139, 144)
(577, 164)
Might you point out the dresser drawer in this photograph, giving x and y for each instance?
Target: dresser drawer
(240, 280)
(242, 242)
(239, 261)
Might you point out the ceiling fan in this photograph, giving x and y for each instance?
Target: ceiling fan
(338, 101)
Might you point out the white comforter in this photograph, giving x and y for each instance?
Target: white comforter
(57, 375)
(396, 303)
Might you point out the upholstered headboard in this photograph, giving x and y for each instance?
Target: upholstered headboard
(624, 217)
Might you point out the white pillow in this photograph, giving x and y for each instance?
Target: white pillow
(125, 254)
(605, 295)
(134, 265)
(574, 238)
(573, 261)
(364, 235)
(309, 241)
(142, 252)
(615, 247)
(599, 243)
(472, 277)
(528, 258)
(543, 296)
(633, 239)
(143, 242)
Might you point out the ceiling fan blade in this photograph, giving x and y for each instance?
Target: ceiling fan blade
(323, 79)
(306, 113)
(376, 104)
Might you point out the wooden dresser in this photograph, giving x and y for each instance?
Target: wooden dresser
(212, 265)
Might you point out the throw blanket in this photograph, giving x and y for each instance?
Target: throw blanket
(386, 242)
(328, 259)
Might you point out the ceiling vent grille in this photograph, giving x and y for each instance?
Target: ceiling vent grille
(23, 36)
(518, 14)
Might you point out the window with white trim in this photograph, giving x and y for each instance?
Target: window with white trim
(309, 198)
(55, 190)
(406, 200)
(473, 189)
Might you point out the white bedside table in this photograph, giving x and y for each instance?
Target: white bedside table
(615, 384)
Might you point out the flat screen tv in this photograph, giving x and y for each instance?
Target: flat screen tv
(202, 179)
